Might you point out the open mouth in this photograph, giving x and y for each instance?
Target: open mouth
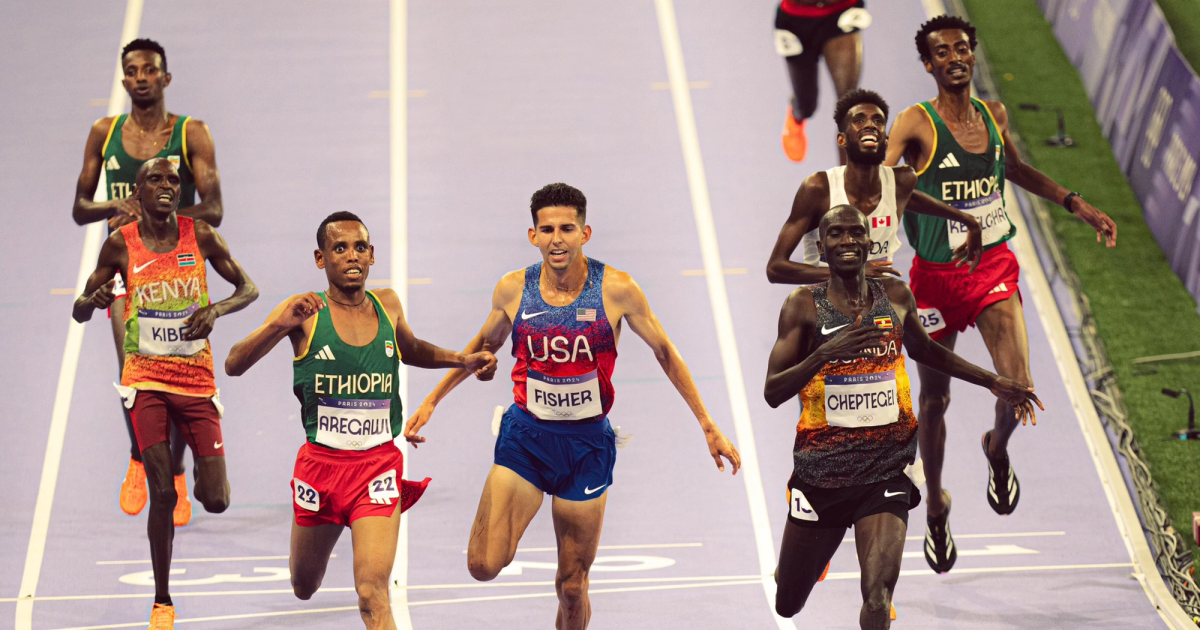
(165, 197)
(558, 253)
(869, 138)
(354, 273)
(848, 255)
(957, 71)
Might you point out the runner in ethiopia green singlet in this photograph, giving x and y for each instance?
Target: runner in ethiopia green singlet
(971, 182)
(120, 169)
(348, 394)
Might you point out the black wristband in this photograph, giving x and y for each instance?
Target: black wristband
(1066, 202)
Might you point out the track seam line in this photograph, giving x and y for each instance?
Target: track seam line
(398, 185)
(714, 273)
(39, 531)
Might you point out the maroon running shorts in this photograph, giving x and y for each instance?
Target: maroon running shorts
(196, 416)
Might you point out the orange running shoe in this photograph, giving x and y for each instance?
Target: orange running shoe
(795, 137)
(825, 572)
(133, 489)
(893, 611)
(162, 617)
(183, 505)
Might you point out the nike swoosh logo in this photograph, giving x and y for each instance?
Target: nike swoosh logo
(527, 315)
(592, 490)
(892, 494)
(219, 444)
(141, 267)
(826, 331)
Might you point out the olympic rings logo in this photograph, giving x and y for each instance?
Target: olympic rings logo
(354, 443)
(865, 419)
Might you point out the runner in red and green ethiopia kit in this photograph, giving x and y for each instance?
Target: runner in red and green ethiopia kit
(964, 156)
(347, 345)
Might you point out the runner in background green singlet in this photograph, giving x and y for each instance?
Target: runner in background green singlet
(116, 148)
(966, 157)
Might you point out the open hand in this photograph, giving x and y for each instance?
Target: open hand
(128, 210)
(1106, 230)
(415, 422)
(856, 341)
(1019, 396)
(881, 269)
(971, 251)
(719, 446)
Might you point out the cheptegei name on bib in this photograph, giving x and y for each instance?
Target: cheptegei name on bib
(861, 400)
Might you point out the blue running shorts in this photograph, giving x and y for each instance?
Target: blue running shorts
(570, 461)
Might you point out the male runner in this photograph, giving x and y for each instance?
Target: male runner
(348, 344)
(120, 145)
(168, 374)
(806, 30)
(565, 315)
(882, 193)
(840, 349)
(963, 153)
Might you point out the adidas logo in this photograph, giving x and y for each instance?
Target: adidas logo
(381, 501)
(325, 354)
(113, 164)
(999, 288)
(949, 162)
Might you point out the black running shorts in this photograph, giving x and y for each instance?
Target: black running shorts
(805, 37)
(823, 508)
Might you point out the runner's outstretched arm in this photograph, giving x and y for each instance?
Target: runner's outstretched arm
(931, 354)
(286, 320)
(216, 252)
(1026, 176)
(420, 353)
(628, 296)
(491, 338)
(202, 158)
(98, 292)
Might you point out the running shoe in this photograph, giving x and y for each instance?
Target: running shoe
(1003, 488)
(939, 544)
(893, 615)
(183, 505)
(162, 617)
(795, 137)
(825, 572)
(133, 489)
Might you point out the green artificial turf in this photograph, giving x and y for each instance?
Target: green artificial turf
(1140, 305)
(1184, 18)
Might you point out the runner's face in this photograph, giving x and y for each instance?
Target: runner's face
(347, 256)
(847, 243)
(865, 139)
(158, 189)
(144, 77)
(559, 236)
(952, 62)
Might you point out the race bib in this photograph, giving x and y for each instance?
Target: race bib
(384, 488)
(861, 400)
(787, 44)
(931, 319)
(160, 333)
(353, 425)
(563, 397)
(306, 496)
(853, 19)
(989, 211)
(800, 507)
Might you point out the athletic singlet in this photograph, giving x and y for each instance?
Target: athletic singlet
(164, 290)
(971, 182)
(856, 423)
(120, 169)
(885, 225)
(565, 354)
(348, 395)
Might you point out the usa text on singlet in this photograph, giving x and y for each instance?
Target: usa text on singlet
(348, 394)
(564, 354)
(856, 423)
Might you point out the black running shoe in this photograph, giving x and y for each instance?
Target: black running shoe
(940, 552)
(1003, 488)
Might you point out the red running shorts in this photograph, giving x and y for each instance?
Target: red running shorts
(334, 487)
(949, 298)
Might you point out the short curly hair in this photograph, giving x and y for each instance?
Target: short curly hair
(558, 194)
(943, 23)
(148, 45)
(856, 97)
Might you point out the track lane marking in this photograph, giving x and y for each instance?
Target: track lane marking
(35, 552)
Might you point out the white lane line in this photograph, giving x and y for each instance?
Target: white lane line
(734, 383)
(733, 271)
(398, 127)
(70, 363)
(603, 547)
(854, 575)
(175, 561)
(966, 536)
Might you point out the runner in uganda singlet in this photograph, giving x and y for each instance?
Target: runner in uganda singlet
(164, 290)
(884, 224)
(120, 169)
(856, 425)
(564, 354)
(348, 394)
(971, 182)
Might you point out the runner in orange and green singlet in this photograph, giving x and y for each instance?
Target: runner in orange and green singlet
(116, 148)
(964, 157)
(168, 374)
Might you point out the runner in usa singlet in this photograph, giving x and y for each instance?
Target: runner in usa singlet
(857, 425)
(564, 354)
